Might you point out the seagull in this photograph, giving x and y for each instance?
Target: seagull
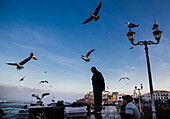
(45, 72)
(124, 78)
(131, 47)
(85, 57)
(43, 82)
(94, 15)
(21, 79)
(131, 25)
(38, 98)
(19, 65)
(141, 86)
(155, 26)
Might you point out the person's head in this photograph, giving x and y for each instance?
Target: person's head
(127, 99)
(93, 69)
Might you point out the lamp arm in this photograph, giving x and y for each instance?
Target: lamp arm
(139, 43)
(151, 42)
(145, 42)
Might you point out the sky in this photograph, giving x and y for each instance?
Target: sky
(53, 31)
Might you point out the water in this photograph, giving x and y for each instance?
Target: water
(11, 108)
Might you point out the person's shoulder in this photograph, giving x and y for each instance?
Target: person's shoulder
(130, 105)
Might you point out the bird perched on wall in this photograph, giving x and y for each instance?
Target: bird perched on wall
(131, 25)
(19, 65)
(87, 55)
(43, 82)
(155, 26)
(38, 98)
(94, 15)
(124, 78)
(22, 79)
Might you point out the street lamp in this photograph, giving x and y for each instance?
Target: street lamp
(157, 35)
(140, 109)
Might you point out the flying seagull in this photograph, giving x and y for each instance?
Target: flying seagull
(131, 47)
(22, 79)
(38, 98)
(124, 78)
(131, 25)
(155, 26)
(43, 82)
(94, 15)
(19, 65)
(86, 57)
(45, 72)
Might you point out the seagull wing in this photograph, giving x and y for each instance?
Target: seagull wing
(89, 53)
(127, 78)
(89, 19)
(97, 9)
(131, 24)
(120, 79)
(44, 94)
(35, 95)
(131, 47)
(46, 81)
(12, 64)
(25, 61)
(21, 79)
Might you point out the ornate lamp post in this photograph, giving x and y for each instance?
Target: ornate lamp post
(139, 96)
(157, 35)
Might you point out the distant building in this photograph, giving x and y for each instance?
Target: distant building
(159, 95)
(107, 97)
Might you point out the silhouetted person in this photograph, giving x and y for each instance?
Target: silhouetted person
(60, 103)
(131, 111)
(98, 86)
(122, 112)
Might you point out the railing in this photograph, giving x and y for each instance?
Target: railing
(46, 113)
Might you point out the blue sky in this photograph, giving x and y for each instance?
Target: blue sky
(52, 30)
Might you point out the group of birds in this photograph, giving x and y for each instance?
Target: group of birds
(131, 25)
(22, 79)
(20, 66)
(94, 16)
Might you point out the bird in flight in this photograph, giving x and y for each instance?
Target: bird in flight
(38, 98)
(94, 15)
(45, 72)
(86, 57)
(124, 78)
(43, 82)
(155, 26)
(22, 79)
(131, 25)
(19, 65)
(131, 47)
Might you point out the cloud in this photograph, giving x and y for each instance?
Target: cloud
(11, 92)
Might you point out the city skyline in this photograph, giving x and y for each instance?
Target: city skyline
(54, 32)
